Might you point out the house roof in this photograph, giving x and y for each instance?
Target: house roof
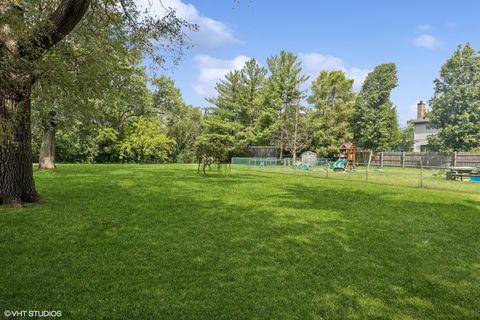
(346, 145)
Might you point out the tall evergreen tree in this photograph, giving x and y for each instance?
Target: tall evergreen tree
(374, 122)
(282, 97)
(253, 79)
(456, 102)
(333, 100)
(238, 104)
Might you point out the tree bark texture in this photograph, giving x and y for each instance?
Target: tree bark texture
(16, 170)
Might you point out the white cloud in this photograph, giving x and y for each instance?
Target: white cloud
(212, 34)
(211, 70)
(427, 41)
(313, 63)
(424, 27)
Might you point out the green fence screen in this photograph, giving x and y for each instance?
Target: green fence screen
(260, 162)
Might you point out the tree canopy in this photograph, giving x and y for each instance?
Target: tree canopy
(333, 101)
(456, 102)
(283, 95)
(374, 123)
(31, 34)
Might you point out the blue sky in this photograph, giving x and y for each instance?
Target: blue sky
(353, 36)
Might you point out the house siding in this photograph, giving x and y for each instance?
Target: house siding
(421, 134)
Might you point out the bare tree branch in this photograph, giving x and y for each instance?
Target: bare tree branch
(127, 14)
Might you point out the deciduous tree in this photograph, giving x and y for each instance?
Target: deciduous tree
(98, 89)
(456, 102)
(29, 31)
(181, 121)
(216, 142)
(375, 124)
(145, 142)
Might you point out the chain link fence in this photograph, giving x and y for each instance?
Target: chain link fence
(260, 162)
(421, 170)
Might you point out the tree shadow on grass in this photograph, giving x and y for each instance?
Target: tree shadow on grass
(340, 253)
(399, 257)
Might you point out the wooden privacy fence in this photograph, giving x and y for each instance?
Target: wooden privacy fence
(420, 159)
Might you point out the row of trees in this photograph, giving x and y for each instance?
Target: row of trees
(260, 106)
(264, 106)
(126, 122)
(109, 113)
(118, 117)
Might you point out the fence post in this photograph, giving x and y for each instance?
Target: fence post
(454, 160)
(381, 159)
(366, 173)
(421, 175)
(403, 159)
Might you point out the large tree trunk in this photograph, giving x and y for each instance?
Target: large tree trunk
(16, 166)
(16, 55)
(47, 150)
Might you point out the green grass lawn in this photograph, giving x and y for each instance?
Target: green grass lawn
(160, 241)
(431, 178)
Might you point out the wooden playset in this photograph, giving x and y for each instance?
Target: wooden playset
(346, 156)
(348, 151)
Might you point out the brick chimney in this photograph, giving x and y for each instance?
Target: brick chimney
(420, 110)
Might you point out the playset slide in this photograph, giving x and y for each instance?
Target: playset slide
(339, 165)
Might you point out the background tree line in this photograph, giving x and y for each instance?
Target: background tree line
(129, 117)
